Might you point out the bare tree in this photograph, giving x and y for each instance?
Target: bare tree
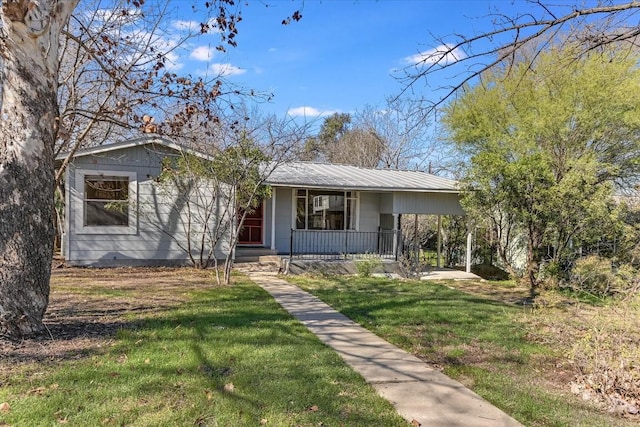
(405, 139)
(118, 73)
(30, 42)
(469, 55)
(188, 185)
(254, 146)
(392, 137)
(215, 190)
(339, 142)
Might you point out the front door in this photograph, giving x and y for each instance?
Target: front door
(251, 233)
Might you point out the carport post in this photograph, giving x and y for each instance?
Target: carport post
(395, 236)
(468, 266)
(439, 244)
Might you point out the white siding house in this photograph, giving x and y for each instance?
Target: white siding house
(116, 214)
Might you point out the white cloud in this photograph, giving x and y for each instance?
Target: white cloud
(443, 55)
(195, 26)
(172, 62)
(186, 25)
(159, 45)
(309, 112)
(226, 70)
(121, 16)
(202, 53)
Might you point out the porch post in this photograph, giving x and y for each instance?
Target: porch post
(395, 236)
(273, 219)
(468, 266)
(416, 249)
(439, 244)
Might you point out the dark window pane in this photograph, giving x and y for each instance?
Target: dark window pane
(106, 188)
(106, 213)
(106, 200)
(326, 210)
(300, 214)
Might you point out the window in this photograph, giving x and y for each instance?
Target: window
(325, 210)
(107, 202)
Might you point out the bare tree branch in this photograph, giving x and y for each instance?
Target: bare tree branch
(596, 26)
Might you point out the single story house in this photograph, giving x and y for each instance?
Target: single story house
(116, 214)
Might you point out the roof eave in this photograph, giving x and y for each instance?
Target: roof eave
(361, 188)
(137, 142)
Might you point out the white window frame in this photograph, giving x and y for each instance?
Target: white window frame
(79, 204)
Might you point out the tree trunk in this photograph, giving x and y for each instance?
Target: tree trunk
(533, 260)
(29, 36)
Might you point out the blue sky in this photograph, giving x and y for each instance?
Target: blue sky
(341, 55)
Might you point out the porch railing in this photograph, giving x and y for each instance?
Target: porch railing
(340, 244)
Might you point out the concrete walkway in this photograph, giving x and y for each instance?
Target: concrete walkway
(448, 274)
(436, 274)
(418, 392)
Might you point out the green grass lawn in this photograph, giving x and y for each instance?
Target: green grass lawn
(481, 342)
(224, 356)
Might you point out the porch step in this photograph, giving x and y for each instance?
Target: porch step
(272, 259)
(249, 254)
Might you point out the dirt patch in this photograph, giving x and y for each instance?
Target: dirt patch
(601, 343)
(88, 306)
(503, 292)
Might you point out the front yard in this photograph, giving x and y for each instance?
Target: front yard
(161, 347)
(530, 361)
(167, 347)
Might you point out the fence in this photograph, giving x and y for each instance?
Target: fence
(340, 244)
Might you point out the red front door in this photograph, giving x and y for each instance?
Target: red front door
(251, 233)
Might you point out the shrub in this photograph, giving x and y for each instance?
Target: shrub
(367, 266)
(597, 276)
(552, 274)
(601, 342)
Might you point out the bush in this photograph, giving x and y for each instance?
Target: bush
(552, 274)
(367, 266)
(597, 276)
(601, 343)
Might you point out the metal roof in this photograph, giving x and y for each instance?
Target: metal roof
(311, 174)
(325, 175)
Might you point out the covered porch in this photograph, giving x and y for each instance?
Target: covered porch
(386, 244)
(328, 211)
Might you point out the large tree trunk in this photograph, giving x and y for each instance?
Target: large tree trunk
(29, 35)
